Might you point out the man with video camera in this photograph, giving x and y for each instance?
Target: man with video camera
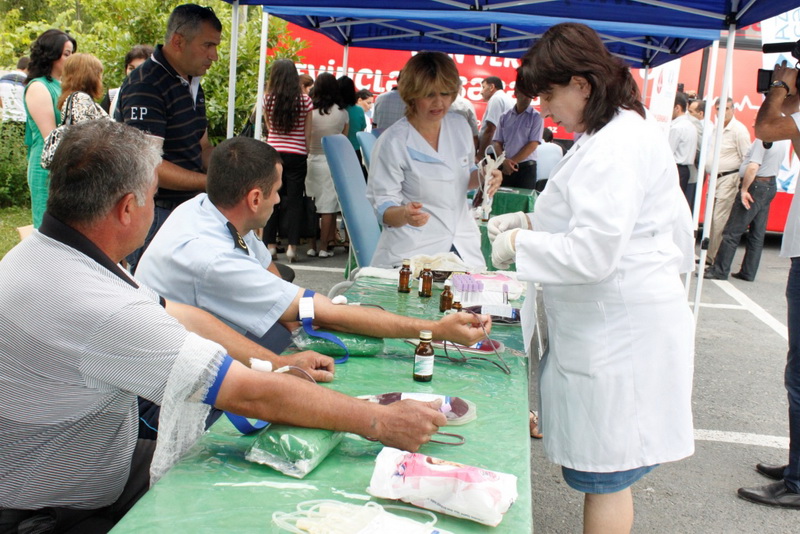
(779, 118)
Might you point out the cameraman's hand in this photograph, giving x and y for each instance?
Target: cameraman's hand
(788, 75)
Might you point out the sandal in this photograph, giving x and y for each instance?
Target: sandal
(535, 426)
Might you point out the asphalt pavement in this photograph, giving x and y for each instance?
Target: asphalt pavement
(740, 414)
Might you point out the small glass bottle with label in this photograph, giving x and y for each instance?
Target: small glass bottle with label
(423, 358)
(426, 281)
(446, 299)
(404, 284)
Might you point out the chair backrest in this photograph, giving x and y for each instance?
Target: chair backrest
(348, 179)
(367, 141)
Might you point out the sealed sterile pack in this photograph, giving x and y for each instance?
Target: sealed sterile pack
(358, 345)
(335, 517)
(457, 410)
(294, 451)
(452, 488)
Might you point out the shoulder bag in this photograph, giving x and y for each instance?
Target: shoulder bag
(54, 138)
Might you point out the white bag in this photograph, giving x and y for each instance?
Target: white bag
(455, 489)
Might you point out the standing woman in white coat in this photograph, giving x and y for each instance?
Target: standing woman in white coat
(421, 168)
(608, 240)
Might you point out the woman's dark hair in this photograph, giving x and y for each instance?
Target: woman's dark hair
(284, 96)
(140, 51)
(46, 50)
(347, 91)
(570, 49)
(325, 94)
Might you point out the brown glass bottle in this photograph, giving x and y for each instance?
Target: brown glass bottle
(457, 305)
(404, 284)
(446, 299)
(426, 281)
(423, 358)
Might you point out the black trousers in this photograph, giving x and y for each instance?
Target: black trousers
(288, 213)
(524, 177)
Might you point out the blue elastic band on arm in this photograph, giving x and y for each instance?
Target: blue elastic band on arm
(213, 391)
(241, 423)
(309, 329)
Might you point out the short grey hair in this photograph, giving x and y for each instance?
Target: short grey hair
(96, 164)
(188, 20)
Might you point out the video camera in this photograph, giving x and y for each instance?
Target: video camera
(765, 75)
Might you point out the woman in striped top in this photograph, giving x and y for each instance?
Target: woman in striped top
(287, 112)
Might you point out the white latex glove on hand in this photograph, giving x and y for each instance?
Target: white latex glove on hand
(503, 250)
(508, 221)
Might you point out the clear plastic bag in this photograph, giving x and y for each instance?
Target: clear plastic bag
(458, 411)
(357, 344)
(294, 451)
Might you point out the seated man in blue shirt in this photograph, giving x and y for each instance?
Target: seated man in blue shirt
(207, 255)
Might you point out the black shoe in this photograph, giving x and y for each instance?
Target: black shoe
(710, 274)
(740, 276)
(775, 472)
(774, 494)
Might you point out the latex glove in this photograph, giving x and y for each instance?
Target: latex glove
(503, 250)
(508, 221)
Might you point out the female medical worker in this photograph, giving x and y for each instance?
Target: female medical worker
(608, 240)
(421, 168)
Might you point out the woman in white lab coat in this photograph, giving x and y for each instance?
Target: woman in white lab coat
(421, 168)
(608, 240)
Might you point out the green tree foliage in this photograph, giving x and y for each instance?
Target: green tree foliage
(108, 29)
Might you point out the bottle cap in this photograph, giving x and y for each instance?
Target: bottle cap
(426, 265)
(406, 262)
(448, 283)
(425, 335)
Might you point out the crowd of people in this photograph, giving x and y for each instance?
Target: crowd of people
(169, 243)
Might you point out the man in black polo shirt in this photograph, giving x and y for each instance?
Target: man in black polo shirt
(163, 97)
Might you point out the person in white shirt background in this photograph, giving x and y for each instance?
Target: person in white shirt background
(683, 142)
(608, 240)
(497, 103)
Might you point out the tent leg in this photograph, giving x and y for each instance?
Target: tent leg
(712, 181)
(232, 67)
(701, 163)
(262, 71)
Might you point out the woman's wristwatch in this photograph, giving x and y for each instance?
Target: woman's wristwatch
(783, 85)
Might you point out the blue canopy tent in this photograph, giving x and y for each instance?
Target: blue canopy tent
(645, 33)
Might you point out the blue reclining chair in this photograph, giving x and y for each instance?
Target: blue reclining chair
(359, 217)
(367, 141)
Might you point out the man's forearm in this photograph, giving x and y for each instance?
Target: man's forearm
(749, 176)
(206, 325)
(171, 176)
(486, 139)
(525, 151)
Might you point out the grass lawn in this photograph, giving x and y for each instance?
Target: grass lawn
(10, 219)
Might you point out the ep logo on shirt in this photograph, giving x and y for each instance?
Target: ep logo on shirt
(138, 113)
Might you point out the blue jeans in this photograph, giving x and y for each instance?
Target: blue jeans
(792, 377)
(739, 221)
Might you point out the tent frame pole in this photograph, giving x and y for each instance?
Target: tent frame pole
(262, 74)
(712, 181)
(234, 58)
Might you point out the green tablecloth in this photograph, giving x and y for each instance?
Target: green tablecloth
(214, 489)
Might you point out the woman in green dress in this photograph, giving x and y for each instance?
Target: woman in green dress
(43, 88)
